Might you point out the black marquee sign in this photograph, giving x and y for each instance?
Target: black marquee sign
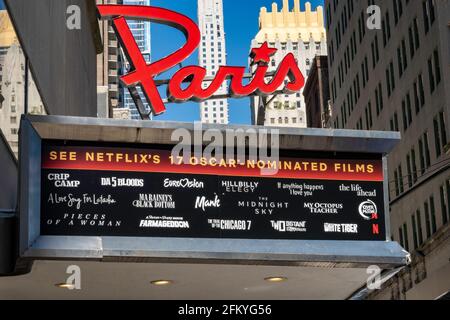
(144, 192)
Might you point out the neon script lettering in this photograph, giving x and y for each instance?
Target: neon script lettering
(143, 73)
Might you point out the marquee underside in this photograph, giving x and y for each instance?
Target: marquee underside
(107, 280)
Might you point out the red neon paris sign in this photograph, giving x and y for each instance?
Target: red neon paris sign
(143, 74)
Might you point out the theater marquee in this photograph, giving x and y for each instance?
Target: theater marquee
(100, 188)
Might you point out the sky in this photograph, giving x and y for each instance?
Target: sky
(241, 26)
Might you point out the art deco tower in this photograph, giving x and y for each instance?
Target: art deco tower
(301, 33)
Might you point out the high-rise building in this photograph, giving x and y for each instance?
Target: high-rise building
(317, 94)
(12, 84)
(212, 54)
(141, 33)
(301, 33)
(396, 78)
(108, 63)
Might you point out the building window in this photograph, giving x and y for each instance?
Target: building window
(437, 66)
(440, 133)
(427, 219)
(419, 226)
(447, 187)
(405, 236)
(359, 124)
(379, 98)
(362, 26)
(419, 94)
(408, 168)
(429, 14)
(400, 179)
(434, 70)
(406, 112)
(402, 58)
(386, 27)
(400, 236)
(414, 226)
(431, 75)
(390, 79)
(414, 176)
(444, 204)
(414, 40)
(433, 215)
(369, 119)
(397, 183)
(391, 69)
(394, 122)
(398, 10)
(424, 153)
